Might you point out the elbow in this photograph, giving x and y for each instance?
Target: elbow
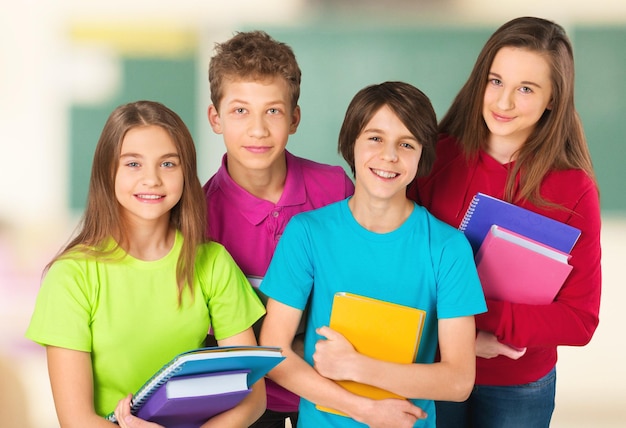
(461, 387)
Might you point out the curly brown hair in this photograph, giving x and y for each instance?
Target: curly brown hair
(253, 55)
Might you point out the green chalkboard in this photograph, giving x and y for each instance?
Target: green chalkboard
(338, 62)
(600, 55)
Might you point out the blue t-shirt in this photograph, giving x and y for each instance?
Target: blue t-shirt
(425, 264)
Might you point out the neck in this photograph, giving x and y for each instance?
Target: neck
(267, 183)
(148, 242)
(380, 216)
(503, 150)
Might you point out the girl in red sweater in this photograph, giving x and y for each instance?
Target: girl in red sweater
(513, 132)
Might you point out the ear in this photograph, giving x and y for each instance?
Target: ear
(549, 106)
(295, 120)
(214, 119)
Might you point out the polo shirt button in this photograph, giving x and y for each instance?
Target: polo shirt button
(275, 213)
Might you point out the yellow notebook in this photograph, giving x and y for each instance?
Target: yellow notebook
(382, 330)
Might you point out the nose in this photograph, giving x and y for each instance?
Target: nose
(258, 127)
(505, 100)
(389, 152)
(151, 176)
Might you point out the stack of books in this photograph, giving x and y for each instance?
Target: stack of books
(521, 256)
(201, 383)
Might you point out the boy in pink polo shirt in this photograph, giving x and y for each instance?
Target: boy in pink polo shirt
(255, 86)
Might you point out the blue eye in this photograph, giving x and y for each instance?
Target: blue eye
(168, 164)
(133, 164)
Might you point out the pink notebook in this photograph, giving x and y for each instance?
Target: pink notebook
(517, 269)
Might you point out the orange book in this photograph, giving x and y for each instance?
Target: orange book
(382, 330)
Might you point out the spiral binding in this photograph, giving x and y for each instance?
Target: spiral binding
(469, 213)
(157, 380)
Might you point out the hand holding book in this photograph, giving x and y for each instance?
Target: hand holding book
(365, 323)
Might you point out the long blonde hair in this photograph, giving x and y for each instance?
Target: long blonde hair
(102, 218)
(558, 141)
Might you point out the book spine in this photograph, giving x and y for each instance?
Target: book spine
(159, 379)
(468, 214)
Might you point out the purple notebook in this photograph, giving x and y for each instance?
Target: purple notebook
(485, 211)
(176, 405)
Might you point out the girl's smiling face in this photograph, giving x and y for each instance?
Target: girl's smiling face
(518, 92)
(149, 178)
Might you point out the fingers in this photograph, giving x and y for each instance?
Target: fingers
(417, 412)
(326, 332)
(513, 353)
(123, 410)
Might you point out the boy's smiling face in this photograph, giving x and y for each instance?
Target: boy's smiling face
(255, 119)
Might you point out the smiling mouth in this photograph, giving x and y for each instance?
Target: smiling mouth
(257, 149)
(502, 118)
(150, 197)
(384, 174)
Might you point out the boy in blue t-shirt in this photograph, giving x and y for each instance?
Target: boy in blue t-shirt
(379, 244)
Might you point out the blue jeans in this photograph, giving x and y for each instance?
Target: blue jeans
(516, 406)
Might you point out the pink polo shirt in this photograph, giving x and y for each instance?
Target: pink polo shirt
(250, 227)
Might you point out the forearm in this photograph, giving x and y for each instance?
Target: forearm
(436, 381)
(550, 325)
(299, 377)
(450, 379)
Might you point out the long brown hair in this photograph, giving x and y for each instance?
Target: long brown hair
(558, 141)
(102, 218)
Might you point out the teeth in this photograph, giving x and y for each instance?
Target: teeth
(384, 174)
(149, 196)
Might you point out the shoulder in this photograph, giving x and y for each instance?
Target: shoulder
(211, 250)
(439, 231)
(322, 183)
(313, 169)
(213, 184)
(569, 188)
(316, 220)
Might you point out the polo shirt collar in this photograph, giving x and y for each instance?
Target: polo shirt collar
(254, 209)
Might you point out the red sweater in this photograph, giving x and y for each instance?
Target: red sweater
(573, 317)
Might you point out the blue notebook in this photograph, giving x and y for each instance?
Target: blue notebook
(485, 211)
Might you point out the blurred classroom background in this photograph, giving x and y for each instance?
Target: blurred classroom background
(66, 64)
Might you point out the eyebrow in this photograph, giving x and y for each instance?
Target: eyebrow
(138, 155)
(523, 82)
(244, 102)
(380, 131)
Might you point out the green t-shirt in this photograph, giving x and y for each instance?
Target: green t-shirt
(126, 314)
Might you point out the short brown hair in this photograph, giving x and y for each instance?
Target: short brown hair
(412, 107)
(253, 55)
